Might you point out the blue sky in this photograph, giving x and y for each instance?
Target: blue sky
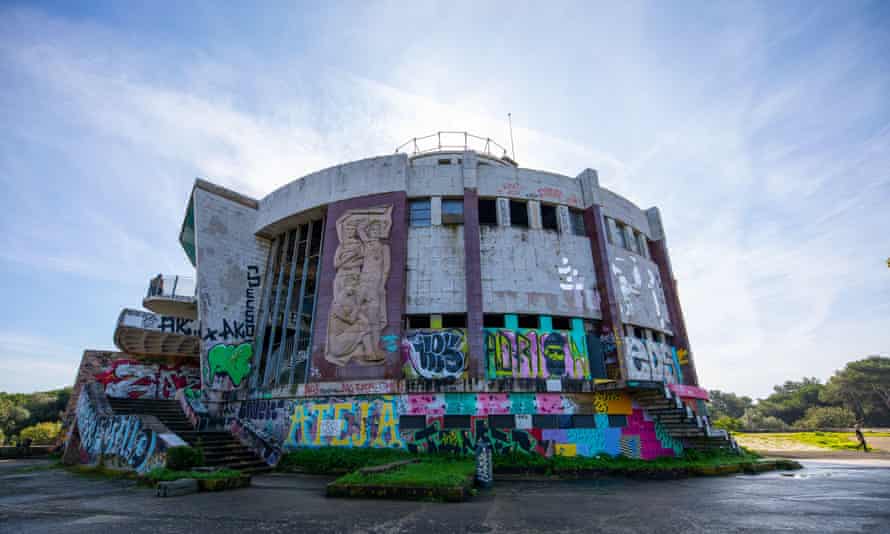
(761, 130)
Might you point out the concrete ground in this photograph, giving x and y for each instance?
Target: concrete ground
(827, 496)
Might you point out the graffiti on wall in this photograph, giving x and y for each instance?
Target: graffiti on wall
(651, 361)
(344, 422)
(535, 354)
(125, 378)
(572, 283)
(120, 441)
(436, 353)
(232, 361)
(358, 311)
(253, 282)
(640, 299)
(261, 425)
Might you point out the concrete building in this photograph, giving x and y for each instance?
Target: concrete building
(424, 300)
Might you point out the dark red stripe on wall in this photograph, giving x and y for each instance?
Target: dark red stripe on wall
(322, 370)
(473, 272)
(660, 256)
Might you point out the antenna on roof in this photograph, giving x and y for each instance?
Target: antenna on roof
(512, 148)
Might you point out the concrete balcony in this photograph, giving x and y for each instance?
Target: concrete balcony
(173, 296)
(148, 334)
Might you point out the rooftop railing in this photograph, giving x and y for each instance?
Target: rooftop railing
(175, 287)
(446, 141)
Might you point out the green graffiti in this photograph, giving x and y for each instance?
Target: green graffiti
(231, 360)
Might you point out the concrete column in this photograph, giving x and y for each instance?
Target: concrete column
(436, 211)
(596, 230)
(562, 217)
(534, 214)
(473, 274)
(503, 212)
(659, 254)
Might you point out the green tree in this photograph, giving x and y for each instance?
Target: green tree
(41, 433)
(754, 419)
(729, 423)
(791, 400)
(824, 417)
(863, 387)
(727, 404)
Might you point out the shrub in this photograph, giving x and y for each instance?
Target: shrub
(184, 458)
(338, 459)
(41, 433)
(727, 423)
(754, 419)
(826, 417)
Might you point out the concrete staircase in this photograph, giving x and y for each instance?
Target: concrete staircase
(221, 449)
(680, 421)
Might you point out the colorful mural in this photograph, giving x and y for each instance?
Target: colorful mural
(525, 353)
(134, 379)
(435, 353)
(651, 361)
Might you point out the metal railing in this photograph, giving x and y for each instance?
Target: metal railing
(178, 287)
(452, 141)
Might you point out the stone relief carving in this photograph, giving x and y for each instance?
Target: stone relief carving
(361, 266)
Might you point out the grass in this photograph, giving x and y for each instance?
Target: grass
(100, 471)
(839, 441)
(430, 472)
(162, 474)
(323, 460)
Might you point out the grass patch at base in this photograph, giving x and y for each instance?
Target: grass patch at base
(162, 474)
(99, 471)
(838, 441)
(431, 472)
(323, 460)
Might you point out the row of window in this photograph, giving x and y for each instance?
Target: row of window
(490, 320)
(419, 214)
(626, 237)
(647, 334)
(458, 422)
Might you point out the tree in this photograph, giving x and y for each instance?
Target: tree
(791, 400)
(823, 417)
(730, 424)
(727, 404)
(863, 387)
(41, 433)
(754, 419)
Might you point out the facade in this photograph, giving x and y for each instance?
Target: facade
(430, 300)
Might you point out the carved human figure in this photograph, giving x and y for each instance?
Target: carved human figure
(358, 311)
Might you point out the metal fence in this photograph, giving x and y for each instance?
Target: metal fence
(182, 287)
(449, 140)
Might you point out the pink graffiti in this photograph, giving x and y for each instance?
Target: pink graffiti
(136, 380)
(691, 392)
(493, 404)
(423, 404)
(549, 192)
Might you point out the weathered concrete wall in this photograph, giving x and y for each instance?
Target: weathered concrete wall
(639, 290)
(618, 207)
(350, 180)
(231, 265)
(525, 271)
(435, 180)
(529, 184)
(435, 270)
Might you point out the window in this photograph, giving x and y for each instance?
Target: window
(581, 421)
(659, 337)
(455, 421)
(548, 217)
(617, 421)
(418, 321)
(631, 239)
(562, 323)
(642, 245)
(518, 213)
(576, 221)
(488, 211)
(492, 320)
(621, 238)
(501, 421)
(419, 212)
(444, 162)
(454, 320)
(528, 321)
(638, 333)
(545, 421)
(452, 211)
(412, 422)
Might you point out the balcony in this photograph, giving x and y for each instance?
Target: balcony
(148, 334)
(173, 296)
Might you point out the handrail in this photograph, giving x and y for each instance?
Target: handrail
(454, 140)
(172, 287)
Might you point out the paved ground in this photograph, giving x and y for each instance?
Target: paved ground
(834, 496)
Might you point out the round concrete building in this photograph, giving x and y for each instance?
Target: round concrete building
(440, 292)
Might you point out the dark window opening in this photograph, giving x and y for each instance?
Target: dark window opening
(562, 323)
(501, 421)
(617, 421)
(419, 212)
(456, 421)
(418, 321)
(565, 421)
(493, 320)
(452, 211)
(488, 211)
(454, 320)
(412, 422)
(528, 321)
(545, 421)
(638, 332)
(548, 217)
(584, 421)
(659, 337)
(444, 162)
(576, 220)
(518, 213)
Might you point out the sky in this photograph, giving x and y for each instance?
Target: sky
(761, 130)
